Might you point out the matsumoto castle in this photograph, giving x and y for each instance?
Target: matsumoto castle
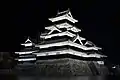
(61, 45)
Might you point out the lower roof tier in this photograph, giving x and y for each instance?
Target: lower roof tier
(70, 43)
(33, 48)
(26, 59)
(27, 56)
(69, 47)
(69, 51)
(25, 52)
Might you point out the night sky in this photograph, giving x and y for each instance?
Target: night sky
(99, 21)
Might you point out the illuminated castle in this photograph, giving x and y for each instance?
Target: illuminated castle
(63, 38)
(62, 51)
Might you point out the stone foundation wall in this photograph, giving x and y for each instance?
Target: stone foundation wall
(103, 70)
(63, 67)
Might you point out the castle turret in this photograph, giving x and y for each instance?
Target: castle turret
(26, 54)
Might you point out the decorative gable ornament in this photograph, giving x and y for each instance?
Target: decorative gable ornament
(27, 43)
(77, 37)
(52, 29)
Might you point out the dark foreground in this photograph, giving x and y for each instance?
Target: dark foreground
(44, 69)
(18, 77)
(35, 76)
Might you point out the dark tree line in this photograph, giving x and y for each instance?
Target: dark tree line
(6, 60)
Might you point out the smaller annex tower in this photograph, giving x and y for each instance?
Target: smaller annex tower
(26, 54)
(62, 42)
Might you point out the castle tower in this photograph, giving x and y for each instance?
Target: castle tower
(58, 36)
(62, 45)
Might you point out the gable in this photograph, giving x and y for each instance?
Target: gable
(77, 37)
(54, 29)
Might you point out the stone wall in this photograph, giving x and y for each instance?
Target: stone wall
(103, 70)
(63, 67)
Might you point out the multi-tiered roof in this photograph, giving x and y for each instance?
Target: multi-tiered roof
(26, 54)
(64, 38)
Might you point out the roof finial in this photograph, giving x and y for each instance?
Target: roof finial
(28, 40)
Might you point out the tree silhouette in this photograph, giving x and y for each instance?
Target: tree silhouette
(6, 60)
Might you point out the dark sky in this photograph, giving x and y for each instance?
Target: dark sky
(99, 21)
